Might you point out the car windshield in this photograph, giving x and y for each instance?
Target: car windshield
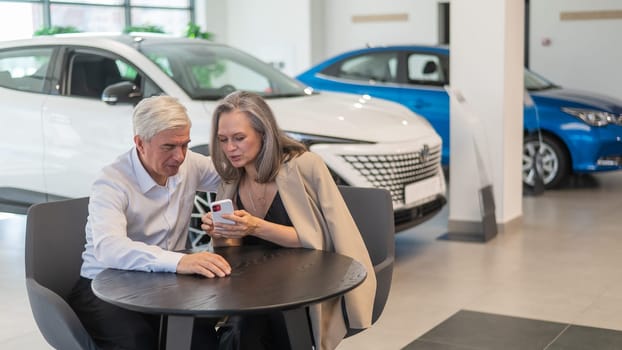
(209, 72)
(534, 82)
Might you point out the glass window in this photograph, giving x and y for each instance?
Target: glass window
(99, 2)
(19, 20)
(161, 3)
(210, 72)
(172, 21)
(88, 18)
(534, 82)
(25, 69)
(381, 67)
(90, 74)
(426, 69)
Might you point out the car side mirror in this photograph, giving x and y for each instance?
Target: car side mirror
(122, 92)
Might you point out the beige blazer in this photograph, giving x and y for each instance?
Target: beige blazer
(322, 221)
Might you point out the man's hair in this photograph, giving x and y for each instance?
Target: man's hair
(158, 113)
(276, 146)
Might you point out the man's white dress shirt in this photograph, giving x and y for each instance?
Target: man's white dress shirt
(134, 223)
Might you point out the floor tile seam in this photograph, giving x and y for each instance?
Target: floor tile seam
(520, 316)
(440, 342)
(594, 302)
(453, 313)
(468, 304)
(557, 337)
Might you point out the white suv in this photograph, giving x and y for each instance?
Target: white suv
(67, 103)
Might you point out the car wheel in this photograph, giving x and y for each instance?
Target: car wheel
(553, 158)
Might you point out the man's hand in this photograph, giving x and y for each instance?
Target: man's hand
(204, 263)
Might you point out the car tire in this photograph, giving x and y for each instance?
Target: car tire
(554, 161)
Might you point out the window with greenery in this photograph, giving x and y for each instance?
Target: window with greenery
(22, 18)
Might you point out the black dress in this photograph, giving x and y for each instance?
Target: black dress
(276, 214)
(258, 332)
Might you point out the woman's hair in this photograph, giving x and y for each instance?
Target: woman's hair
(276, 147)
(158, 113)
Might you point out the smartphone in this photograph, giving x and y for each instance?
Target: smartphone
(224, 206)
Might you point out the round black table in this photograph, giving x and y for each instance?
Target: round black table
(262, 280)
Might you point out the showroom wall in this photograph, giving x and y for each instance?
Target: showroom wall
(582, 53)
(276, 31)
(353, 24)
(293, 35)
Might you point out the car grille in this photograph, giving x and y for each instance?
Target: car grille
(394, 171)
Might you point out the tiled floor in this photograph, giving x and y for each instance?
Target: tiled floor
(561, 266)
(469, 330)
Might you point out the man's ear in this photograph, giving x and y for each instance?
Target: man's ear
(140, 144)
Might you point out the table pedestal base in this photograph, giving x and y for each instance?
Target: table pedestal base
(179, 332)
(298, 328)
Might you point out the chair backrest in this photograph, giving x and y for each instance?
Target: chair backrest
(372, 210)
(55, 240)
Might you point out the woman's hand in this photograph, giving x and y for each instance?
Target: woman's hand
(207, 224)
(219, 236)
(245, 225)
(213, 229)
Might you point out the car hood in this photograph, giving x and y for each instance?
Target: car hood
(563, 97)
(349, 116)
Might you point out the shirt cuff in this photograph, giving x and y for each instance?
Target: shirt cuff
(170, 260)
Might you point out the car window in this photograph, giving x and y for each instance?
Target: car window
(379, 66)
(212, 71)
(223, 73)
(25, 69)
(90, 74)
(426, 69)
(215, 76)
(534, 82)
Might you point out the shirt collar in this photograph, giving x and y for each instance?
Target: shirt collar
(145, 181)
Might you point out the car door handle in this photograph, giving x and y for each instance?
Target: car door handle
(59, 119)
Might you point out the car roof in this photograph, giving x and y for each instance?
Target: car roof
(379, 48)
(88, 39)
(430, 46)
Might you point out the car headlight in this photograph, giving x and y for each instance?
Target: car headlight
(594, 117)
(310, 139)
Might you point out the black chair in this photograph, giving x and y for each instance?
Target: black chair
(54, 242)
(372, 210)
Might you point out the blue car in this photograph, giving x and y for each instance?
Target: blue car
(580, 132)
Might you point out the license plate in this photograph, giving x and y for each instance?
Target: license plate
(421, 190)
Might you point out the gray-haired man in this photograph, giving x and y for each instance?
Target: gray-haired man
(139, 212)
